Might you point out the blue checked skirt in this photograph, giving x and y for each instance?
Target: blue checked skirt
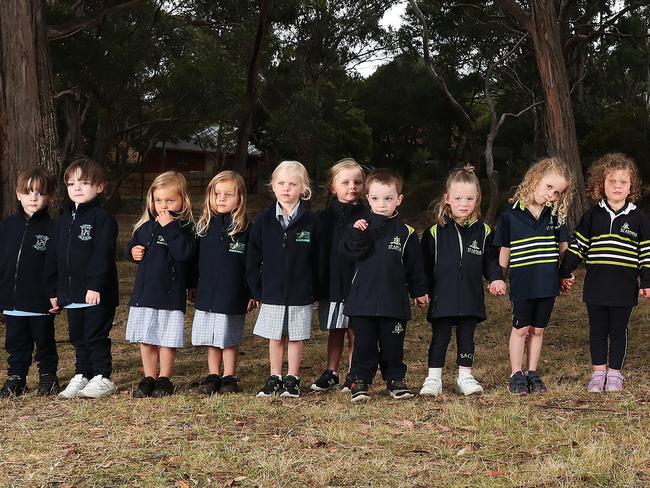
(278, 321)
(155, 327)
(217, 329)
(330, 316)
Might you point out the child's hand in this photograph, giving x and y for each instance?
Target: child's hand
(421, 302)
(497, 287)
(191, 295)
(92, 297)
(55, 306)
(164, 218)
(644, 292)
(258, 303)
(361, 224)
(137, 252)
(252, 305)
(567, 283)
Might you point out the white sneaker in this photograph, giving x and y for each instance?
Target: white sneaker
(467, 385)
(431, 387)
(98, 387)
(76, 384)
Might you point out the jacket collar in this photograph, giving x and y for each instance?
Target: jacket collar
(623, 211)
(82, 207)
(36, 216)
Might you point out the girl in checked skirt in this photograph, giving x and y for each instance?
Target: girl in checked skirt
(282, 275)
(222, 296)
(164, 246)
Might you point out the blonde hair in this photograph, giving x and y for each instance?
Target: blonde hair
(526, 189)
(604, 165)
(459, 175)
(168, 179)
(340, 165)
(239, 218)
(295, 168)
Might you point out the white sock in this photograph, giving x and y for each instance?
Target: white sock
(278, 376)
(435, 373)
(464, 371)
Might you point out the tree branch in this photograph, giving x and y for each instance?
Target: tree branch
(515, 12)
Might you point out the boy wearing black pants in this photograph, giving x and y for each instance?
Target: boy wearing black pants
(24, 239)
(388, 268)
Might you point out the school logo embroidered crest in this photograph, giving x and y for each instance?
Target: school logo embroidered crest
(303, 236)
(625, 229)
(395, 244)
(161, 240)
(41, 242)
(474, 249)
(399, 328)
(85, 229)
(237, 247)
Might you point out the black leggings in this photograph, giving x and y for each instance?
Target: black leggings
(441, 335)
(608, 323)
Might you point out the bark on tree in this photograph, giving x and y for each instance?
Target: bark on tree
(27, 126)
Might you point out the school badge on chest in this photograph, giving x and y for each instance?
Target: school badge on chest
(395, 244)
(303, 236)
(237, 247)
(474, 249)
(625, 229)
(85, 232)
(161, 240)
(41, 242)
(399, 328)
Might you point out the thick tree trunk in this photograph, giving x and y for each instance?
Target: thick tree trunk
(27, 124)
(246, 120)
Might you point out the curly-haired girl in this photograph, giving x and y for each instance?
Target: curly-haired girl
(613, 239)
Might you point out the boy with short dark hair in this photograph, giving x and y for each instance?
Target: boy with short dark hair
(83, 259)
(24, 239)
(388, 268)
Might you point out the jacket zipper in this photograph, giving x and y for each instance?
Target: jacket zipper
(460, 268)
(67, 258)
(20, 250)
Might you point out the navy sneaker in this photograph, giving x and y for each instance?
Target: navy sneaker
(145, 387)
(518, 384)
(272, 387)
(210, 385)
(398, 389)
(360, 391)
(14, 386)
(535, 383)
(229, 385)
(291, 387)
(329, 380)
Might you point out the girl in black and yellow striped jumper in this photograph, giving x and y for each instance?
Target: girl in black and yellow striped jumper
(613, 239)
(532, 236)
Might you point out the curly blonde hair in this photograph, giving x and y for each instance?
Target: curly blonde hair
(239, 218)
(604, 165)
(168, 179)
(526, 189)
(459, 175)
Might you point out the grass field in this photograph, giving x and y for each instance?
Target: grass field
(565, 437)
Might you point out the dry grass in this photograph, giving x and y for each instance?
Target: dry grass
(563, 438)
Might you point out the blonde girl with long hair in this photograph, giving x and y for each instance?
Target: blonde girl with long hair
(222, 296)
(532, 235)
(163, 246)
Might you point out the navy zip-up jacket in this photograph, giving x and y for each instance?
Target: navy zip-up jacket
(456, 258)
(222, 284)
(167, 266)
(83, 255)
(282, 265)
(388, 267)
(336, 270)
(23, 245)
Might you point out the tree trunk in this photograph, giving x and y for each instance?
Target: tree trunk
(246, 120)
(493, 178)
(27, 124)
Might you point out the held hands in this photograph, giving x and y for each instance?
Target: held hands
(422, 302)
(567, 283)
(92, 297)
(252, 304)
(55, 306)
(361, 224)
(137, 252)
(497, 287)
(644, 292)
(164, 218)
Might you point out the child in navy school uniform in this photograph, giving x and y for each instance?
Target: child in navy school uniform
(388, 268)
(24, 238)
(164, 246)
(282, 274)
(83, 279)
(458, 253)
(613, 239)
(532, 235)
(222, 296)
(345, 183)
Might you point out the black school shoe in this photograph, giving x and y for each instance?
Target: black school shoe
(48, 384)
(210, 385)
(229, 385)
(291, 387)
(398, 389)
(518, 384)
(14, 386)
(329, 380)
(272, 387)
(164, 387)
(535, 383)
(145, 388)
(360, 391)
(347, 386)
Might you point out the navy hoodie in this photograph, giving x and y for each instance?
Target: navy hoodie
(166, 268)
(23, 245)
(222, 284)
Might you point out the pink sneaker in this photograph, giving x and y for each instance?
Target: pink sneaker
(614, 381)
(597, 382)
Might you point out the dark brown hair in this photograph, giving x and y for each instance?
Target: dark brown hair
(385, 176)
(89, 169)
